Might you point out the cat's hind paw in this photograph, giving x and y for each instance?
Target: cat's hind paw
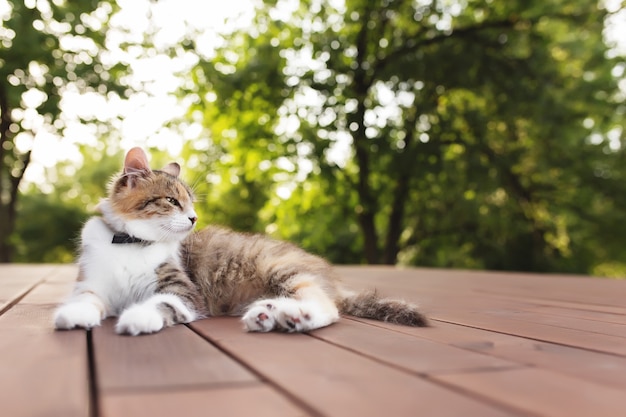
(287, 314)
(295, 316)
(77, 314)
(139, 319)
(260, 317)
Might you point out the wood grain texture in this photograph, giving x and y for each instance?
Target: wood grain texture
(334, 381)
(174, 358)
(418, 355)
(42, 372)
(595, 366)
(501, 344)
(542, 392)
(256, 400)
(498, 302)
(17, 280)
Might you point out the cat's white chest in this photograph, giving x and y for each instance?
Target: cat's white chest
(121, 274)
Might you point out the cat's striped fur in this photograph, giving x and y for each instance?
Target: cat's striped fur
(166, 274)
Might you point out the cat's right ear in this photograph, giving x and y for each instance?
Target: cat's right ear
(136, 164)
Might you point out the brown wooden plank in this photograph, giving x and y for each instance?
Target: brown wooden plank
(515, 310)
(580, 311)
(64, 273)
(558, 327)
(43, 372)
(594, 366)
(256, 400)
(539, 331)
(583, 307)
(573, 289)
(17, 280)
(488, 293)
(54, 293)
(614, 317)
(562, 321)
(606, 314)
(35, 310)
(548, 287)
(336, 382)
(173, 358)
(542, 392)
(462, 304)
(418, 355)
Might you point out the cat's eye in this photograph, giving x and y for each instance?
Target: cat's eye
(173, 201)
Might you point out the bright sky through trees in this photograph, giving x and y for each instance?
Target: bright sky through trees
(143, 115)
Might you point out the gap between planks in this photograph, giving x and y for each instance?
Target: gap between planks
(601, 367)
(262, 378)
(338, 379)
(19, 296)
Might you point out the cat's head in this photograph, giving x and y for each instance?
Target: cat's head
(153, 205)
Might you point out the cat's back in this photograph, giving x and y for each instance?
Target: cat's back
(215, 245)
(216, 249)
(232, 269)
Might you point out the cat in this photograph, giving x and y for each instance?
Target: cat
(141, 261)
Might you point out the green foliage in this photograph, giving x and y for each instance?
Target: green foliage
(472, 134)
(47, 228)
(477, 132)
(48, 225)
(49, 48)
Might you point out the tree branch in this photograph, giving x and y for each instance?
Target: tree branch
(413, 45)
(367, 200)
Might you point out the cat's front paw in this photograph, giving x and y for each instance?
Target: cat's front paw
(77, 314)
(139, 319)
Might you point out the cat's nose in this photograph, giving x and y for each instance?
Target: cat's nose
(193, 219)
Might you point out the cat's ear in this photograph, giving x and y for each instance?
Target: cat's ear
(136, 165)
(172, 168)
(136, 162)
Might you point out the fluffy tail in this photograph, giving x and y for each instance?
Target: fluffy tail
(369, 305)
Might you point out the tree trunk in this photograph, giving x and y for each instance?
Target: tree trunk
(405, 168)
(12, 168)
(396, 220)
(366, 211)
(5, 172)
(6, 229)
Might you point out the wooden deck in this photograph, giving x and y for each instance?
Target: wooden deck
(500, 345)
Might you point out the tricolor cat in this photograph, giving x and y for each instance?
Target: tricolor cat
(140, 261)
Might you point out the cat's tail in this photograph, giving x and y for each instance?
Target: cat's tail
(369, 305)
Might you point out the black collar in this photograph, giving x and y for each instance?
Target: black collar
(126, 238)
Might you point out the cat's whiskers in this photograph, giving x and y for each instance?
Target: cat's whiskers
(195, 183)
(200, 197)
(166, 233)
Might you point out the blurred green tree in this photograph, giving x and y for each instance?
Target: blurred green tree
(48, 226)
(46, 48)
(459, 134)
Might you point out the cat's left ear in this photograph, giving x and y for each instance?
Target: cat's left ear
(136, 165)
(172, 168)
(136, 162)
